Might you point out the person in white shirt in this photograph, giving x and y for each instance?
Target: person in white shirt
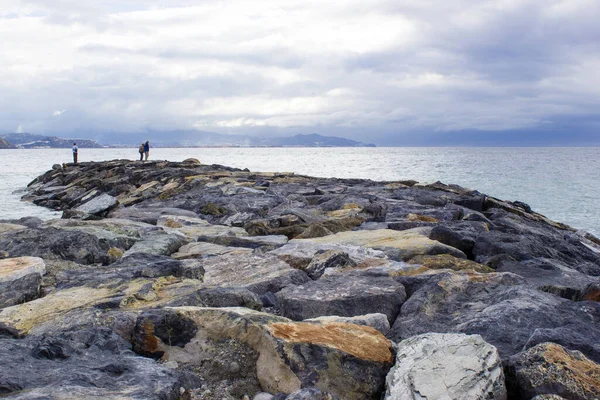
(75, 153)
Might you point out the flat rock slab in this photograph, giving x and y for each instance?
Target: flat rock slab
(398, 245)
(446, 366)
(272, 354)
(345, 295)
(136, 265)
(376, 320)
(195, 227)
(20, 279)
(205, 250)
(550, 369)
(149, 215)
(158, 243)
(98, 205)
(258, 273)
(269, 242)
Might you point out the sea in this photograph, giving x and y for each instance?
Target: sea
(560, 183)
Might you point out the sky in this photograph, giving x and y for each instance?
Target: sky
(390, 72)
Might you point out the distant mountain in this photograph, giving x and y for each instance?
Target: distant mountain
(179, 139)
(31, 141)
(315, 140)
(5, 145)
(212, 139)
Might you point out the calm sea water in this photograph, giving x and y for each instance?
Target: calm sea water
(561, 183)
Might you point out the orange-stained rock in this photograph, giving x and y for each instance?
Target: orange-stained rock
(275, 354)
(549, 368)
(361, 341)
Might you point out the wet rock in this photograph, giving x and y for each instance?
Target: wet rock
(258, 273)
(550, 369)
(275, 354)
(446, 366)
(346, 295)
(20, 279)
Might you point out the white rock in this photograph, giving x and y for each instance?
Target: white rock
(446, 366)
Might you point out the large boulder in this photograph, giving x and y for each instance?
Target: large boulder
(86, 364)
(446, 366)
(259, 352)
(550, 369)
(345, 295)
(77, 246)
(500, 307)
(20, 279)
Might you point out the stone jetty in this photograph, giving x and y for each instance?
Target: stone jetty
(178, 280)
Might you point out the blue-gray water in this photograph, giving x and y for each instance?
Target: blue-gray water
(561, 183)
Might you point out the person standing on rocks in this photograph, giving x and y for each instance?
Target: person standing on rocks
(75, 153)
(141, 150)
(146, 149)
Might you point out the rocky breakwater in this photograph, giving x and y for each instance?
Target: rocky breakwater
(177, 280)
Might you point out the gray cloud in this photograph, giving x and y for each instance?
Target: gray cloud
(379, 69)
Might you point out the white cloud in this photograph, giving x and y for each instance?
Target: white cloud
(456, 65)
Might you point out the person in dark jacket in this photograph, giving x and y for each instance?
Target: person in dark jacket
(146, 149)
(75, 153)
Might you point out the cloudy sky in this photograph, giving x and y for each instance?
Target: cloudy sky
(384, 71)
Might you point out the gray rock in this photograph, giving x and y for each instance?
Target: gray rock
(158, 243)
(94, 363)
(149, 215)
(134, 266)
(328, 259)
(446, 366)
(550, 369)
(258, 273)
(500, 307)
(20, 279)
(346, 295)
(266, 243)
(98, 204)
